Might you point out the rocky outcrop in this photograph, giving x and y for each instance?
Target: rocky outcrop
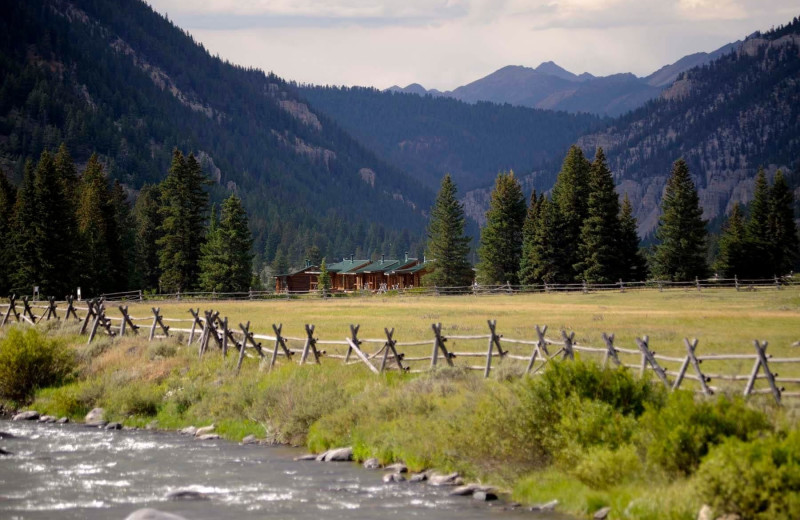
(336, 455)
(30, 415)
(95, 417)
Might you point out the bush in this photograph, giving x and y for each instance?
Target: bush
(757, 480)
(29, 361)
(677, 436)
(602, 467)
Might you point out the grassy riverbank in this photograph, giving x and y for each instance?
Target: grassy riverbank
(584, 436)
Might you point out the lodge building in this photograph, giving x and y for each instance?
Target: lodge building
(356, 275)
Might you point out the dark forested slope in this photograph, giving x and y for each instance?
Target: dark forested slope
(115, 77)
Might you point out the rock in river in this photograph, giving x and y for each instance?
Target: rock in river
(390, 478)
(336, 455)
(372, 463)
(95, 417)
(152, 514)
(30, 415)
(186, 494)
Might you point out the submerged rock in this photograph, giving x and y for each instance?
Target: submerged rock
(391, 478)
(95, 417)
(4, 452)
(397, 467)
(372, 463)
(189, 430)
(113, 426)
(63, 420)
(547, 506)
(307, 456)
(419, 477)
(470, 489)
(152, 514)
(208, 437)
(484, 496)
(47, 419)
(30, 415)
(186, 494)
(6, 435)
(250, 439)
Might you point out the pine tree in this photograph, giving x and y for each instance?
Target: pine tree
(501, 239)
(632, 264)
(25, 255)
(313, 255)
(54, 222)
(324, 279)
(214, 269)
(121, 238)
(280, 265)
(782, 227)
(526, 267)
(546, 258)
(447, 245)
(8, 195)
(571, 195)
(184, 203)
(598, 248)
(238, 243)
(733, 258)
(93, 230)
(68, 174)
(147, 224)
(681, 253)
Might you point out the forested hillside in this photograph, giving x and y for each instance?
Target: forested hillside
(725, 119)
(118, 79)
(431, 136)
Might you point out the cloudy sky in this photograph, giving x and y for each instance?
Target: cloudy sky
(446, 43)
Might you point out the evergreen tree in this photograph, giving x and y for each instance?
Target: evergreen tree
(184, 203)
(598, 248)
(632, 264)
(681, 253)
(8, 196)
(733, 257)
(526, 267)
(280, 265)
(238, 243)
(782, 227)
(571, 195)
(447, 246)
(94, 230)
(501, 239)
(546, 258)
(758, 230)
(324, 279)
(54, 225)
(68, 174)
(25, 253)
(147, 223)
(214, 270)
(121, 238)
(313, 255)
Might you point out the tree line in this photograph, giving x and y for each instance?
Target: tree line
(581, 232)
(63, 229)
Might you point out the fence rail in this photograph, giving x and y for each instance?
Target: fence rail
(382, 354)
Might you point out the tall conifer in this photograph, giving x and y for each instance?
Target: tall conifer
(501, 238)
(733, 257)
(147, 224)
(526, 265)
(184, 203)
(447, 246)
(571, 195)
(782, 227)
(598, 248)
(94, 230)
(8, 195)
(632, 264)
(759, 248)
(681, 253)
(546, 260)
(25, 240)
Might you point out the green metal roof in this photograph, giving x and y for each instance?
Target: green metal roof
(379, 266)
(413, 268)
(312, 269)
(347, 265)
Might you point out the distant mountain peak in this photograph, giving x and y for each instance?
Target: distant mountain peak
(550, 67)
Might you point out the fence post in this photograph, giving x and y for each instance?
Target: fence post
(11, 308)
(697, 283)
(311, 344)
(27, 313)
(390, 345)
(568, 340)
(761, 352)
(538, 348)
(777, 283)
(660, 286)
(647, 357)
(279, 342)
(140, 295)
(246, 330)
(585, 288)
(494, 341)
(90, 304)
(438, 343)
(611, 352)
(621, 286)
(356, 342)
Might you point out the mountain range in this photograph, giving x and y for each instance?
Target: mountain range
(552, 87)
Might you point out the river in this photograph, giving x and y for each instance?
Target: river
(74, 472)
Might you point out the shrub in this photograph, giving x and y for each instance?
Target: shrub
(28, 361)
(677, 436)
(602, 467)
(127, 400)
(757, 480)
(161, 350)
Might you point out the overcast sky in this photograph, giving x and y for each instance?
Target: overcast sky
(446, 43)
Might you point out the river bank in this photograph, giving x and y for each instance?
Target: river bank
(586, 437)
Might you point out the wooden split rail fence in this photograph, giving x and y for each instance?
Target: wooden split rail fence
(203, 328)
